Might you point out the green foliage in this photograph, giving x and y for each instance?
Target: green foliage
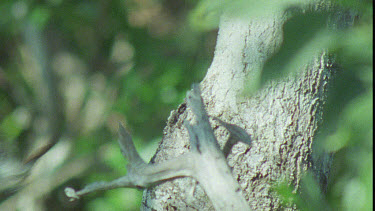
(39, 16)
(305, 35)
(350, 119)
(360, 6)
(286, 194)
(106, 61)
(12, 125)
(207, 13)
(118, 199)
(347, 128)
(308, 197)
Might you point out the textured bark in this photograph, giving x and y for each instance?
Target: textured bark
(282, 120)
(205, 162)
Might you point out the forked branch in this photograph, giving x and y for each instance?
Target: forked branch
(205, 162)
(140, 174)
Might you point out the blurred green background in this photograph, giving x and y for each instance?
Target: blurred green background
(71, 70)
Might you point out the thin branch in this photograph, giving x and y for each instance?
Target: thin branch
(127, 147)
(212, 170)
(193, 137)
(121, 182)
(140, 174)
(206, 140)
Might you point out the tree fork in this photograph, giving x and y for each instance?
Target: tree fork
(205, 162)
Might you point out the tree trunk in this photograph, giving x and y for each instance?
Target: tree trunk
(282, 119)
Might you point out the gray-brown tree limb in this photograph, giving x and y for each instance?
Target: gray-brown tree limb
(205, 162)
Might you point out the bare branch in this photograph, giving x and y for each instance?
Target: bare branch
(194, 143)
(127, 147)
(121, 182)
(211, 168)
(140, 174)
(205, 137)
(205, 162)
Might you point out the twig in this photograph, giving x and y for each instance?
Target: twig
(140, 174)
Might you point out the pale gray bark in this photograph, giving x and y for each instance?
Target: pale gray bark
(205, 162)
(282, 119)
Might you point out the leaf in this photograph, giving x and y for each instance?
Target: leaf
(207, 13)
(305, 35)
